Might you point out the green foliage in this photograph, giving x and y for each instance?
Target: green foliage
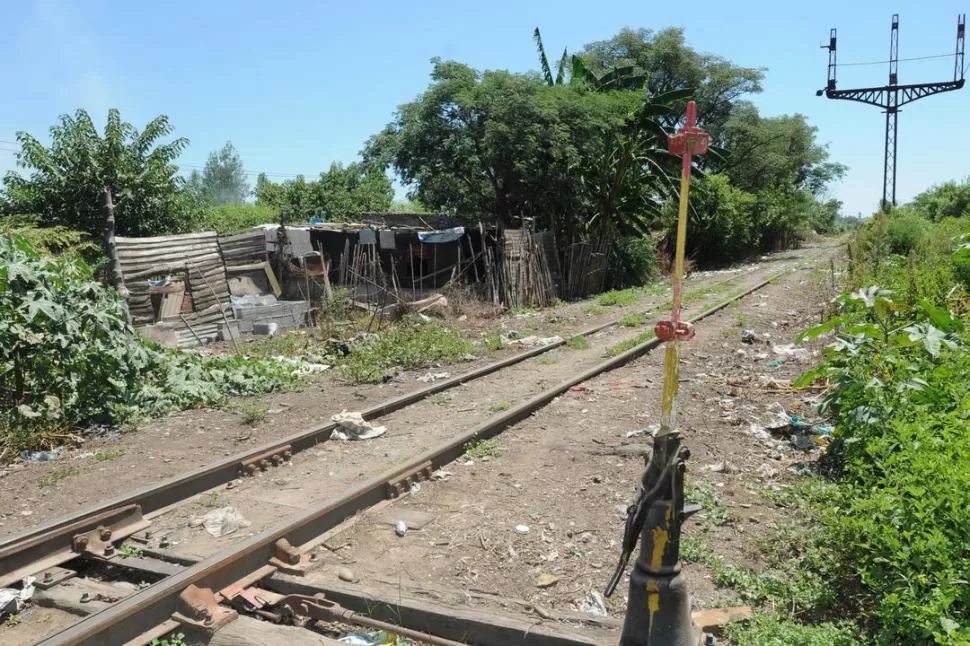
(230, 218)
(773, 630)
(337, 195)
(577, 343)
(713, 513)
(67, 179)
(223, 180)
(52, 240)
(494, 142)
(481, 448)
(948, 200)
(634, 262)
(405, 346)
(666, 63)
(629, 344)
(69, 359)
(128, 550)
(498, 407)
(632, 320)
(905, 231)
(55, 476)
(172, 639)
(110, 454)
(253, 413)
(901, 370)
(720, 221)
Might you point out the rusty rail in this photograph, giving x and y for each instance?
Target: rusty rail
(44, 545)
(134, 616)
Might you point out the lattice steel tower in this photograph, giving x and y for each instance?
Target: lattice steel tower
(893, 96)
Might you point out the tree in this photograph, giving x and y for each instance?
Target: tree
(66, 181)
(948, 200)
(224, 178)
(338, 194)
(357, 188)
(666, 63)
(511, 146)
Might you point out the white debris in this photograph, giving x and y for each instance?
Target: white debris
(593, 604)
(12, 600)
(431, 377)
(221, 522)
(533, 341)
(400, 528)
(354, 427)
(521, 529)
(789, 351)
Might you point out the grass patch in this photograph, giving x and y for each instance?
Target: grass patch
(499, 407)
(593, 309)
(440, 399)
(493, 342)
(211, 500)
(57, 475)
(406, 346)
(769, 629)
(623, 346)
(127, 549)
(481, 448)
(577, 342)
(110, 454)
(635, 319)
(713, 513)
(546, 360)
(253, 413)
(629, 296)
(523, 311)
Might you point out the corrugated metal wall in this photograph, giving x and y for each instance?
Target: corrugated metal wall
(194, 258)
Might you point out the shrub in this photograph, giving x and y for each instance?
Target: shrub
(905, 231)
(634, 262)
(230, 218)
(901, 453)
(407, 345)
(69, 359)
(961, 264)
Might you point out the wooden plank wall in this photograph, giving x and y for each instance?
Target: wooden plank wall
(194, 256)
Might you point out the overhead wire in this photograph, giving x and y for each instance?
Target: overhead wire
(901, 60)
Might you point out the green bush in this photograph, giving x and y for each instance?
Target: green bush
(634, 263)
(230, 218)
(961, 265)
(773, 630)
(905, 232)
(69, 359)
(900, 365)
(409, 344)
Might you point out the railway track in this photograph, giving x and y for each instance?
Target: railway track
(206, 592)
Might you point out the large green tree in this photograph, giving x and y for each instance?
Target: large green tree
(223, 180)
(338, 194)
(515, 147)
(64, 182)
(667, 63)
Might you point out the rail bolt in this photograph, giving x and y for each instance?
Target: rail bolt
(104, 533)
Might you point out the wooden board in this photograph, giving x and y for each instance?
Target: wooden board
(451, 622)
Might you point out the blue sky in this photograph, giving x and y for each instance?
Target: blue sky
(299, 84)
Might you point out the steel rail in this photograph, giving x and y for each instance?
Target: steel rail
(139, 613)
(50, 543)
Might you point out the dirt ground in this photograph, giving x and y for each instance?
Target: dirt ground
(101, 468)
(568, 473)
